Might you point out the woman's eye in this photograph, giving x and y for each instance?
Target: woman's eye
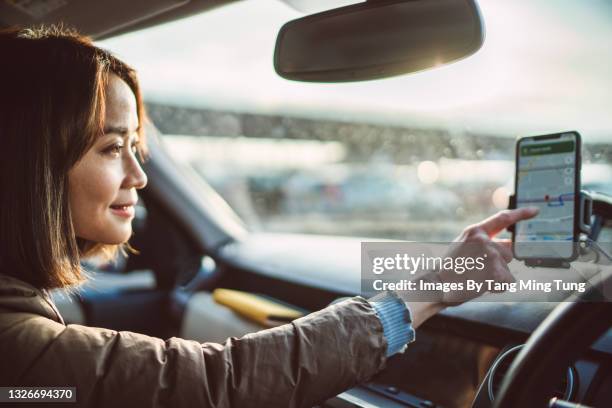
(114, 150)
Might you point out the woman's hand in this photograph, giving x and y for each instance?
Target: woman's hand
(475, 240)
(479, 238)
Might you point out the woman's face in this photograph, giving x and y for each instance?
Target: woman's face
(103, 184)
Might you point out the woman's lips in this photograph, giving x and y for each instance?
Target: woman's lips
(125, 211)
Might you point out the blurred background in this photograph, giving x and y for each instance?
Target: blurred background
(417, 157)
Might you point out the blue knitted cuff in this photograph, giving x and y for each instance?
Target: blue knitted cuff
(396, 321)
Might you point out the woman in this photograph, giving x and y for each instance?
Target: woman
(71, 126)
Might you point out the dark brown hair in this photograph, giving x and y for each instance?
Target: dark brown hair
(52, 94)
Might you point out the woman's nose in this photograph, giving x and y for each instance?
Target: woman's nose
(135, 175)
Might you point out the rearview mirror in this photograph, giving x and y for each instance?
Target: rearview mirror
(377, 39)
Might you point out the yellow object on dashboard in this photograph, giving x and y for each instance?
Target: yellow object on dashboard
(262, 310)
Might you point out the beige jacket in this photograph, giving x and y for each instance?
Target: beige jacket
(296, 365)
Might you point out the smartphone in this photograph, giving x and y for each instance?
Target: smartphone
(548, 177)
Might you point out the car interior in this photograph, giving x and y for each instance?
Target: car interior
(200, 232)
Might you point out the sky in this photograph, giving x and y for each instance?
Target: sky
(545, 66)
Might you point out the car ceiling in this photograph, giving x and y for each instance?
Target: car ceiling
(101, 19)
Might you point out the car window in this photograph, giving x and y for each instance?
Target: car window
(417, 157)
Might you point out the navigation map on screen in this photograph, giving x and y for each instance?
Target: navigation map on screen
(546, 178)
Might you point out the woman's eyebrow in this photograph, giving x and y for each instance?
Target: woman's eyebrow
(121, 130)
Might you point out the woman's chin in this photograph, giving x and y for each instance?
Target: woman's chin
(121, 239)
(115, 236)
(119, 231)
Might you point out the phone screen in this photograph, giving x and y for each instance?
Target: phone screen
(547, 177)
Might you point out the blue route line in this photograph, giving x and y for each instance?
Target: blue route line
(551, 202)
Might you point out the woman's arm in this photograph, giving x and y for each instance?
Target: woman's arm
(295, 365)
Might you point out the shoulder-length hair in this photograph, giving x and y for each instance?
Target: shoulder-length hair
(52, 97)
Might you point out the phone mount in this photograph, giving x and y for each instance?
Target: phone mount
(595, 210)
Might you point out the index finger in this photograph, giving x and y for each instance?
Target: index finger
(503, 219)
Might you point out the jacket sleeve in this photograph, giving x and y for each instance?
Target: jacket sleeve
(295, 365)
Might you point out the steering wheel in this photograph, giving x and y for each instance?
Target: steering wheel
(559, 340)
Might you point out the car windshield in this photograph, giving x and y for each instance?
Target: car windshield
(414, 157)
